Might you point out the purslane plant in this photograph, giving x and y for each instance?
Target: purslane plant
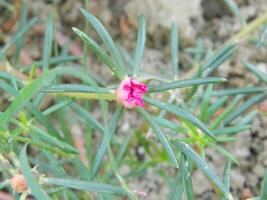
(183, 136)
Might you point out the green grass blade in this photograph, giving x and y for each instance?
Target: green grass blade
(204, 167)
(227, 112)
(176, 189)
(48, 40)
(180, 113)
(106, 141)
(75, 88)
(260, 74)
(205, 104)
(227, 176)
(93, 46)
(140, 45)
(85, 185)
(245, 106)
(175, 50)
(217, 58)
(186, 83)
(216, 106)
(187, 180)
(235, 10)
(18, 35)
(36, 190)
(231, 130)
(236, 91)
(25, 95)
(162, 138)
(249, 118)
(104, 35)
(87, 117)
(263, 195)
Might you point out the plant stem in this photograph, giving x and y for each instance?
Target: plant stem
(83, 95)
(251, 27)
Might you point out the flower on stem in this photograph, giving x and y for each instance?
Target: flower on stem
(129, 93)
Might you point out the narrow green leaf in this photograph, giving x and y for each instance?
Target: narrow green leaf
(231, 130)
(216, 106)
(235, 10)
(249, 118)
(85, 185)
(56, 107)
(162, 138)
(224, 152)
(227, 176)
(176, 189)
(36, 190)
(225, 113)
(205, 104)
(140, 45)
(48, 40)
(87, 117)
(263, 195)
(245, 106)
(187, 180)
(53, 141)
(25, 95)
(106, 141)
(204, 167)
(18, 35)
(175, 50)
(104, 35)
(217, 58)
(75, 88)
(180, 113)
(257, 72)
(236, 91)
(185, 83)
(93, 46)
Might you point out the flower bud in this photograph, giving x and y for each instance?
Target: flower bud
(129, 93)
(18, 183)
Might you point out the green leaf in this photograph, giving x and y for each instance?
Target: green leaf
(75, 88)
(257, 72)
(217, 58)
(26, 94)
(162, 138)
(106, 141)
(85, 185)
(104, 35)
(227, 176)
(93, 46)
(225, 113)
(53, 141)
(185, 83)
(87, 117)
(224, 152)
(204, 167)
(187, 180)
(231, 130)
(48, 40)
(36, 190)
(175, 50)
(140, 45)
(235, 10)
(176, 189)
(18, 35)
(180, 113)
(216, 106)
(205, 104)
(236, 91)
(263, 195)
(245, 106)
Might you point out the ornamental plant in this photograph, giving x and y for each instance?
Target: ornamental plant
(185, 115)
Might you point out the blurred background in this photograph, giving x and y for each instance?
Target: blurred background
(208, 21)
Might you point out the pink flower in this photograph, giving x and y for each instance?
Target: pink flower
(129, 93)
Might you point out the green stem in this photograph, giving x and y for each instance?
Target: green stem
(83, 95)
(252, 26)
